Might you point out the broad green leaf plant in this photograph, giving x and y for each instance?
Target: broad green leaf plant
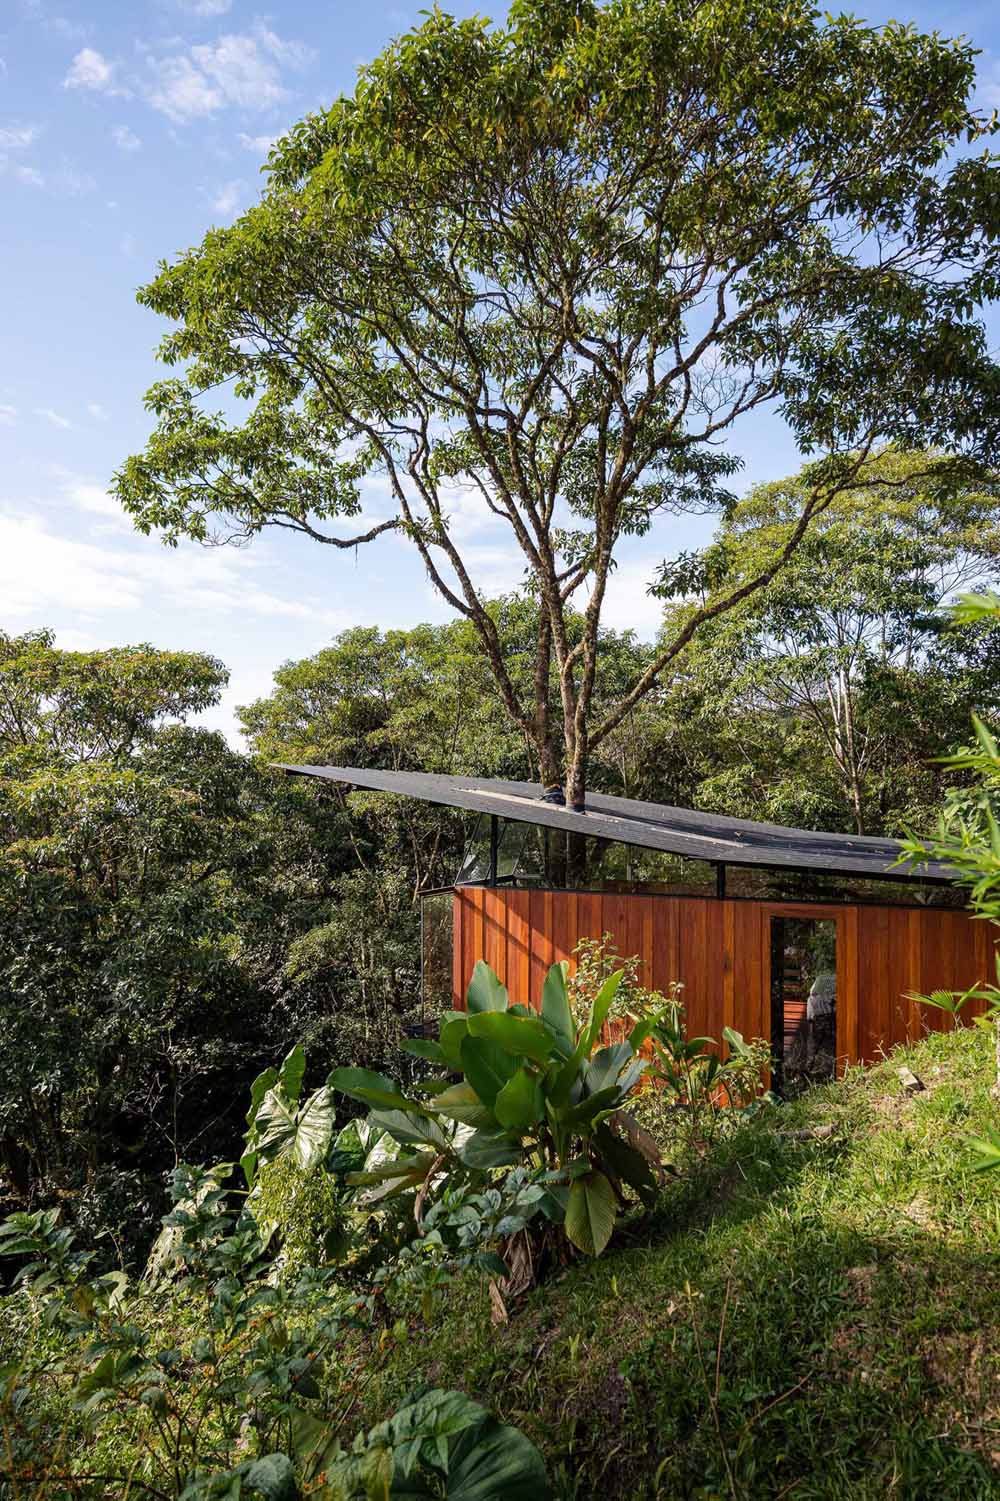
(248, 1404)
(537, 1091)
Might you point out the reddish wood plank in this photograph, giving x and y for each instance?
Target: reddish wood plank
(721, 953)
(666, 958)
(518, 952)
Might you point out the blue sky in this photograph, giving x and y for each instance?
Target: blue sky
(127, 128)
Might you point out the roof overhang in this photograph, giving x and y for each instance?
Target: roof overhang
(676, 831)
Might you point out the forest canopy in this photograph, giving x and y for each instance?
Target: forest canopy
(543, 269)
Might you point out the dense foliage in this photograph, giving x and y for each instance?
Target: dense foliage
(537, 270)
(234, 1388)
(163, 903)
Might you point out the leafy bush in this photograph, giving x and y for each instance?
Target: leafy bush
(249, 1399)
(597, 959)
(537, 1092)
(697, 1088)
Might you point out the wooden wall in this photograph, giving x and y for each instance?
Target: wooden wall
(720, 951)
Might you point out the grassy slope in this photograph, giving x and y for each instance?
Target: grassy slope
(859, 1353)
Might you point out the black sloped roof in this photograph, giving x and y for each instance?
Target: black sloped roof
(677, 831)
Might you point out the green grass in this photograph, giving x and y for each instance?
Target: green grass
(802, 1319)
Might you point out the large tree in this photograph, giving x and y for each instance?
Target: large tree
(827, 695)
(544, 268)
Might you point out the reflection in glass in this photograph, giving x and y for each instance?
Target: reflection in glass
(803, 1000)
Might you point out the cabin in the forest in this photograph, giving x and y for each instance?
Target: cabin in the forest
(814, 941)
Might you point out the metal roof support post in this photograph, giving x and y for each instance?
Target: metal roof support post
(494, 848)
(720, 880)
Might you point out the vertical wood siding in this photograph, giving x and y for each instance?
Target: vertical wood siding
(720, 952)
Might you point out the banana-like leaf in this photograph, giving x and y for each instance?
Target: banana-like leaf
(625, 1163)
(591, 1212)
(484, 1149)
(579, 1117)
(485, 992)
(453, 1032)
(523, 1036)
(568, 1076)
(556, 1013)
(606, 1066)
(461, 1103)
(603, 1002)
(423, 1047)
(520, 1103)
(371, 1088)
(411, 1128)
(487, 1067)
(415, 1167)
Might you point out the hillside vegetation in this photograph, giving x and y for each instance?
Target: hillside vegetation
(809, 1317)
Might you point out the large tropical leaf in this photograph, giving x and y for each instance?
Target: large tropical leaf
(454, 1030)
(494, 1461)
(291, 1074)
(520, 1103)
(603, 1002)
(485, 1149)
(304, 1135)
(524, 1036)
(625, 1163)
(606, 1066)
(371, 1088)
(412, 1128)
(461, 1103)
(272, 1476)
(423, 1047)
(258, 1089)
(556, 1013)
(583, 1115)
(487, 1066)
(485, 992)
(591, 1212)
(415, 1167)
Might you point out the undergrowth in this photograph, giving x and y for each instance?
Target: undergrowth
(806, 1317)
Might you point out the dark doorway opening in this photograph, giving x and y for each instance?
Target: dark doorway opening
(803, 1001)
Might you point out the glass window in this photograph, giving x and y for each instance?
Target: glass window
(803, 1001)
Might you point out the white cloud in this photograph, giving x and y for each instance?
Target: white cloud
(206, 7)
(8, 414)
(181, 91)
(96, 411)
(17, 137)
(45, 574)
(227, 198)
(125, 139)
(55, 418)
(91, 498)
(627, 605)
(260, 145)
(90, 70)
(240, 70)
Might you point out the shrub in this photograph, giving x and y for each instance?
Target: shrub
(240, 1392)
(537, 1091)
